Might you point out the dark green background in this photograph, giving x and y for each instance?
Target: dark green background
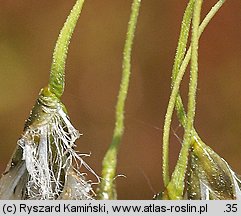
(28, 31)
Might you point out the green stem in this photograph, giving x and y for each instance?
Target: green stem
(178, 71)
(106, 189)
(176, 184)
(179, 104)
(181, 49)
(183, 38)
(57, 76)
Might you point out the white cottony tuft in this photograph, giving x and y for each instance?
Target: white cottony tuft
(52, 163)
(45, 164)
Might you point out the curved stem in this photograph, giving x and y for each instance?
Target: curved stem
(183, 38)
(106, 189)
(181, 49)
(179, 104)
(176, 184)
(57, 76)
(180, 67)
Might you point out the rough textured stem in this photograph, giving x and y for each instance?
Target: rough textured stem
(179, 105)
(182, 41)
(176, 186)
(180, 67)
(181, 49)
(106, 188)
(57, 76)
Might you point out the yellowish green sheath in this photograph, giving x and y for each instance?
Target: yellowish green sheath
(57, 74)
(106, 189)
(209, 176)
(45, 165)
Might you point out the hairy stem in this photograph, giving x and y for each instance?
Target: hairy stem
(179, 105)
(106, 188)
(178, 71)
(57, 75)
(181, 49)
(176, 184)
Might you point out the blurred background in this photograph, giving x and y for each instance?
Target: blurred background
(28, 32)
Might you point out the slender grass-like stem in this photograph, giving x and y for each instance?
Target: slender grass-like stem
(106, 189)
(179, 70)
(182, 41)
(194, 71)
(179, 105)
(176, 186)
(57, 75)
(180, 66)
(181, 49)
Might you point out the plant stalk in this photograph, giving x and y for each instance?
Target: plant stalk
(179, 104)
(57, 73)
(106, 189)
(176, 186)
(179, 69)
(181, 49)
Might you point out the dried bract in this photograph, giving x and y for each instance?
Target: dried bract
(210, 177)
(45, 160)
